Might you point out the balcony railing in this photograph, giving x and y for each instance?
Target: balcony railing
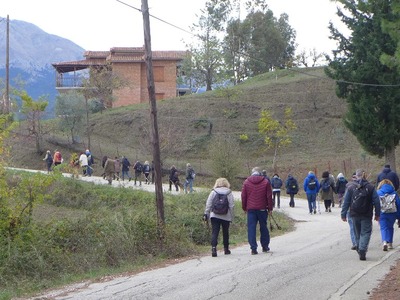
(69, 82)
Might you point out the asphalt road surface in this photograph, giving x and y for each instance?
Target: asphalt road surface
(312, 262)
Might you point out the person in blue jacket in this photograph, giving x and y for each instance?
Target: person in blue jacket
(389, 212)
(311, 188)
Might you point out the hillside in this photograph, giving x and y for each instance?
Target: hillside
(321, 142)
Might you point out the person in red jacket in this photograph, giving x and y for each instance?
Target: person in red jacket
(257, 203)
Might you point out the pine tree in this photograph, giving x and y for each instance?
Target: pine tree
(371, 88)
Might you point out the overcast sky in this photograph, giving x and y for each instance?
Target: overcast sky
(103, 24)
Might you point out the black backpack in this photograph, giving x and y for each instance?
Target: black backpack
(360, 200)
(220, 204)
(312, 184)
(326, 184)
(138, 167)
(293, 187)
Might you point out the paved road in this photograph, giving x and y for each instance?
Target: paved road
(312, 262)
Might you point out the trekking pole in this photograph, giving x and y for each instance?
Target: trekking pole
(271, 227)
(276, 223)
(319, 209)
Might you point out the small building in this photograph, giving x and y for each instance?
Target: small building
(127, 63)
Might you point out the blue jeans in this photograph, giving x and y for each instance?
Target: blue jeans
(254, 217)
(362, 231)
(386, 222)
(351, 225)
(311, 198)
(89, 170)
(188, 182)
(126, 173)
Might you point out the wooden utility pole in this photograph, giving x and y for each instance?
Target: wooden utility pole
(153, 116)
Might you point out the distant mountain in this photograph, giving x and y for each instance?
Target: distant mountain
(32, 51)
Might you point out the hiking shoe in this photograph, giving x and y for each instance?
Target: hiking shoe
(390, 246)
(254, 252)
(329, 210)
(354, 248)
(385, 246)
(214, 252)
(227, 251)
(326, 210)
(362, 254)
(265, 249)
(315, 211)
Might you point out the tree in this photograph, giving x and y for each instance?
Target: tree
(71, 110)
(258, 44)
(100, 84)
(370, 87)
(392, 27)
(277, 133)
(205, 61)
(34, 111)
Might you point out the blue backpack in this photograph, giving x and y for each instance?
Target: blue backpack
(326, 185)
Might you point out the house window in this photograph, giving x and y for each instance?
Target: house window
(158, 74)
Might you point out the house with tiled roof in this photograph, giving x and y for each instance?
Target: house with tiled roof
(127, 63)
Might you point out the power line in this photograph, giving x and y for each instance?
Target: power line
(262, 61)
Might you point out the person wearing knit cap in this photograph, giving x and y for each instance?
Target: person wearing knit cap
(311, 187)
(387, 173)
(341, 183)
(362, 199)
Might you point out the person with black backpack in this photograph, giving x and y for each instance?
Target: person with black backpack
(340, 187)
(361, 198)
(327, 189)
(138, 167)
(276, 183)
(292, 188)
(219, 210)
(311, 187)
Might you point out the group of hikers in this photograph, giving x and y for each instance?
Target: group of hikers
(360, 201)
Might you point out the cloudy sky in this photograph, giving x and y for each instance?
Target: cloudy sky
(103, 24)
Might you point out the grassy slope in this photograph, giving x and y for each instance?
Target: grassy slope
(321, 141)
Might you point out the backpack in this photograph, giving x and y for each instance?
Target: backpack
(360, 200)
(292, 185)
(49, 158)
(146, 169)
(138, 167)
(276, 183)
(326, 185)
(192, 174)
(312, 184)
(388, 203)
(220, 204)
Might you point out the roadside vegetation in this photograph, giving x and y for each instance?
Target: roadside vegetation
(81, 231)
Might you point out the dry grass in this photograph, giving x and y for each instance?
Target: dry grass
(321, 141)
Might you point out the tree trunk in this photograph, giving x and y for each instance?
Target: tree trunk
(390, 158)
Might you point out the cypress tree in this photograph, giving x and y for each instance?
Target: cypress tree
(370, 88)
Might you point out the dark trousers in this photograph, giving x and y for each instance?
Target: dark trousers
(327, 204)
(175, 183)
(216, 224)
(291, 202)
